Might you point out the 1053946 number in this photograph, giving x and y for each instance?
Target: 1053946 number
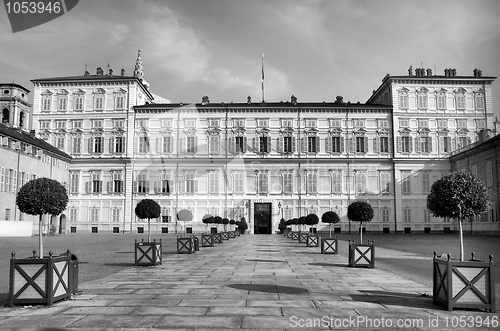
(32, 7)
(471, 322)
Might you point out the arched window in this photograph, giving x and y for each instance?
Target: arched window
(21, 119)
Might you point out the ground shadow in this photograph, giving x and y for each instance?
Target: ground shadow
(263, 260)
(269, 288)
(119, 264)
(4, 299)
(329, 264)
(124, 252)
(414, 300)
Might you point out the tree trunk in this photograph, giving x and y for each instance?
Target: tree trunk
(330, 230)
(361, 232)
(149, 230)
(40, 241)
(461, 234)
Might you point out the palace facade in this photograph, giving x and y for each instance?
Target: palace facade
(260, 160)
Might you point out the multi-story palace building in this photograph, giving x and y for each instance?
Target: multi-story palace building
(260, 160)
(24, 157)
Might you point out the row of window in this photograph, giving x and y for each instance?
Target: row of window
(78, 124)
(61, 100)
(443, 123)
(9, 181)
(441, 99)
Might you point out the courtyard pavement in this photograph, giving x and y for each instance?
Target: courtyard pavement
(252, 282)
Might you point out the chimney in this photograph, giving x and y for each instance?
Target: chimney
(32, 133)
(429, 72)
(293, 99)
(110, 72)
(453, 72)
(410, 71)
(99, 71)
(249, 99)
(123, 72)
(205, 100)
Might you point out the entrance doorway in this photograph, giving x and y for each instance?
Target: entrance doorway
(262, 218)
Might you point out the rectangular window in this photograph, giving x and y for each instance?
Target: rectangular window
(407, 215)
(263, 144)
(404, 123)
(117, 182)
(190, 182)
(62, 104)
(336, 181)
(460, 99)
(287, 144)
(336, 148)
(120, 101)
(143, 144)
(403, 101)
(382, 124)
(384, 144)
(142, 123)
(360, 144)
(79, 103)
(240, 144)
(263, 182)
(385, 181)
(427, 215)
(359, 123)
(115, 215)
(262, 123)
(8, 179)
(99, 103)
(335, 123)
(422, 101)
(60, 139)
(311, 144)
(98, 144)
(190, 145)
(286, 123)
(423, 123)
(480, 124)
(214, 122)
(166, 144)
(311, 123)
(424, 144)
(190, 123)
(239, 123)
(44, 125)
(287, 182)
(119, 145)
(360, 182)
(462, 142)
(385, 215)
(462, 124)
(78, 124)
(426, 184)
(489, 174)
(73, 214)
(239, 182)
(405, 182)
(479, 101)
(213, 147)
(213, 178)
(118, 124)
(94, 216)
(446, 144)
(166, 183)
(312, 182)
(405, 144)
(60, 124)
(96, 182)
(46, 104)
(442, 124)
(441, 101)
(142, 182)
(165, 123)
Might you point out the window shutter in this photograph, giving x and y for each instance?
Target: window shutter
(111, 145)
(279, 144)
(449, 144)
(196, 144)
(352, 146)
(100, 186)
(182, 185)
(365, 141)
(183, 145)
(342, 146)
(454, 140)
(89, 145)
(136, 145)
(254, 144)
(134, 186)
(102, 145)
(230, 183)
(417, 145)
(109, 186)
(468, 141)
(430, 145)
(268, 140)
(159, 145)
(328, 144)
(376, 143)
(2, 178)
(170, 142)
(398, 144)
(147, 186)
(441, 144)
(195, 184)
(303, 144)
(389, 143)
(157, 186)
(293, 145)
(88, 187)
(232, 141)
(411, 144)
(245, 143)
(317, 144)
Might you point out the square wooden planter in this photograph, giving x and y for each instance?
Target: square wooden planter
(185, 245)
(225, 235)
(42, 281)
(236, 233)
(218, 238)
(231, 234)
(313, 240)
(329, 245)
(464, 284)
(148, 253)
(207, 240)
(362, 255)
(303, 237)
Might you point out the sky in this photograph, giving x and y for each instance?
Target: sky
(313, 49)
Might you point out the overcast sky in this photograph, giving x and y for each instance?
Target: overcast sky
(314, 49)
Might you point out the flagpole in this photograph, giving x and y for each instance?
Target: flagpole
(263, 78)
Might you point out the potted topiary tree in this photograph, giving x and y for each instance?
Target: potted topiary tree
(207, 239)
(295, 234)
(187, 243)
(361, 254)
(225, 233)
(329, 245)
(217, 235)
(459, 283)
(42, 279)
(302, 234)
(312, 238)
(232, 232)
(148, 253)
